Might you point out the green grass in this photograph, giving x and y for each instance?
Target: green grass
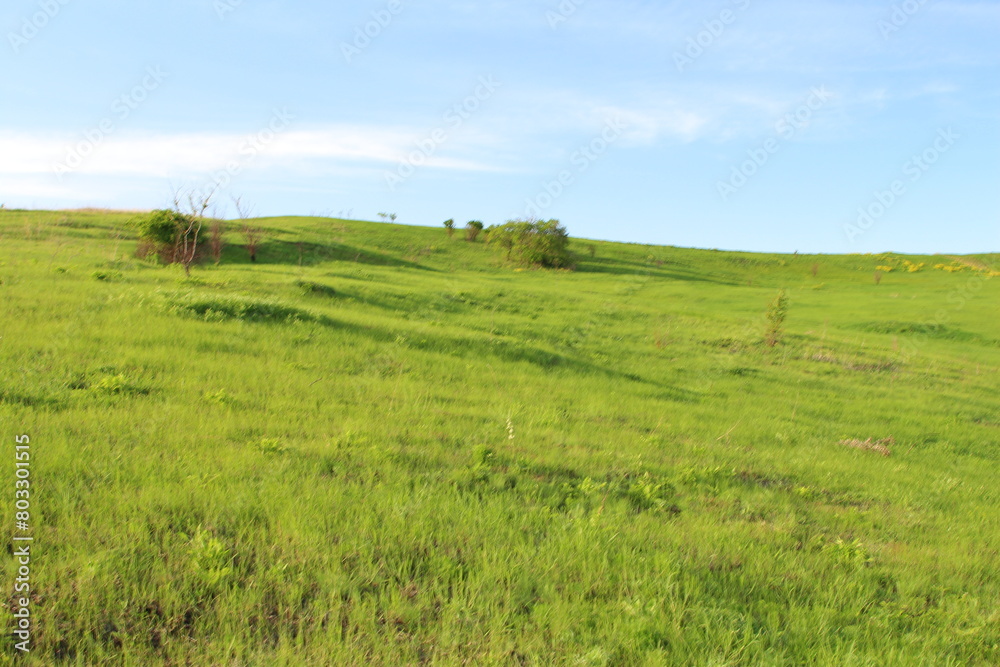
(378, 445)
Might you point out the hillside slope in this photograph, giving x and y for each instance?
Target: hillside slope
(379, 445)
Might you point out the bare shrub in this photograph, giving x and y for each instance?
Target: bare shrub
(186, 250)
(252, 235)
(216, 241)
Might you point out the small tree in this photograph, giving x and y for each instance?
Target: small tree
(216, 241)
(449, 225)
(472, 230)
(252, 235)
(187, 245)
(174, 234)
(776, 313)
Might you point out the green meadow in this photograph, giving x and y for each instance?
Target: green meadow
(379, 445)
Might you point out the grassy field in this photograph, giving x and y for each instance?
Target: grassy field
(381, 446)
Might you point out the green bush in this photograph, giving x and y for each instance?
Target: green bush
(472, 230)
(533, 243)
(162, 231)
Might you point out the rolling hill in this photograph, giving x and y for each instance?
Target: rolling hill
(381, 445)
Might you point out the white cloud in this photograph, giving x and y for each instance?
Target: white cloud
(131, 167)
(179, 155)
(541, 120)
(647, 126)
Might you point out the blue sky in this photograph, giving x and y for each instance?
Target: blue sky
(745, 124)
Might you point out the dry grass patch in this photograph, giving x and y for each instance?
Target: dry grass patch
(879, 447)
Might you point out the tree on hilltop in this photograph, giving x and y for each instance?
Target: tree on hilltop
(533, 243)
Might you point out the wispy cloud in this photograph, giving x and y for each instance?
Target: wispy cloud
(172, 155)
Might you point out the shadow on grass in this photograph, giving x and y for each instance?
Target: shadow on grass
(14, 397)
(624, 267)
(511, 351)
(324, 292)
(926, 330)
(290, 253)
(269, 312)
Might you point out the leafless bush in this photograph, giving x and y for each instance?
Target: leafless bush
(216, 241)
(252, 235)
(186, 251)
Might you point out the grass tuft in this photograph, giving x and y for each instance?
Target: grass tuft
(242, 308)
